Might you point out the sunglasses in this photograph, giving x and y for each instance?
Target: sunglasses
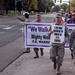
(73, 14)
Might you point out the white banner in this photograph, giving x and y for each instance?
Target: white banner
(36, 34)
(58, 34)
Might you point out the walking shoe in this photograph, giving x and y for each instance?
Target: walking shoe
(41, 53)
(27, 51)
(54, 66)
(71, 56)
(58, 70)
(36, 57)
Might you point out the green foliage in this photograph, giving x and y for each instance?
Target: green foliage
(64, 6)
(19, 5)
(40, 5)
(30, 5)
(50, 4)
(56, 8)
(73, 4)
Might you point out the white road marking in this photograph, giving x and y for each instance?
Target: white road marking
(9, 27)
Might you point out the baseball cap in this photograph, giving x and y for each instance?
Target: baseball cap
(58, 15)
(26, 13)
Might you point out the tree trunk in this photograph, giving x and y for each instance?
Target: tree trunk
(1, 7)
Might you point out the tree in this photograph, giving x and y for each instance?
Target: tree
(46, 5)
(1, 7)
(73, 4)
(64, 6)
(19, 6)
(50, 4)
(9, 5)
(56, 8)
(30, 5)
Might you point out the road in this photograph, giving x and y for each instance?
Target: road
(27, 65)
(11, 45)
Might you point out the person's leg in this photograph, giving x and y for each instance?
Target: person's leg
(72, 54)
(28, 50)
(61, 52)
(36, 52)
(53, 56)
(41, 49)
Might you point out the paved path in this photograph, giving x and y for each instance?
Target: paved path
(26, 65)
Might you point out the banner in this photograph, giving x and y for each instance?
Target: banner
(58, 34)
(70, 28)
(36, 34)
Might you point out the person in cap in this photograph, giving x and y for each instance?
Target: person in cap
(26, 19)
(57, 50)
(26, 16)
(38, 20)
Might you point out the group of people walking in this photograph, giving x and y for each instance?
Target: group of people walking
(57, 50)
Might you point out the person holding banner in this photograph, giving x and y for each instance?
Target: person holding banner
(38, 20)
(26, 15)
(72, 44)
(57, 50)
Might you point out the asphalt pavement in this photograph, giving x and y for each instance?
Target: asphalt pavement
(27, 65)
(11, 30)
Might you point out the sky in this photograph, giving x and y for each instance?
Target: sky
(63, 1)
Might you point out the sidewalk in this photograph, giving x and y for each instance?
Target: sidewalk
(27, 65)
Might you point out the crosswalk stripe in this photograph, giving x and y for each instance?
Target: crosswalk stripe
(7, 26)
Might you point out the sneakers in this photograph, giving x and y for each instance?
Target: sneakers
(36, 57)
(27, 51)
(71, 56)
(54, 66)
(41, 52)
(58, 70)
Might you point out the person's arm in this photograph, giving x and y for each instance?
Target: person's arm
(71, 40)
(20, 19)
(50, 31)
(66, 36)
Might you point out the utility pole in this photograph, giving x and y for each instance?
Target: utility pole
(15, 6)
